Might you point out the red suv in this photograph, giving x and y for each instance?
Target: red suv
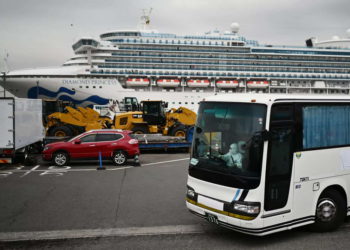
(116, 145)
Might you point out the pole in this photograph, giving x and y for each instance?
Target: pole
(37, 89)
(100, 161)
(4, 76)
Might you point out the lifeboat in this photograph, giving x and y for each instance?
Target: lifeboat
(257, 84)
(168, 83)
(227, 83)
(137, 82)
(198, 83)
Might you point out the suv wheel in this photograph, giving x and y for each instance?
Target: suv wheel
(119, 158)
(60, 159)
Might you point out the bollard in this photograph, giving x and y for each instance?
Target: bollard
(137, 161)
(100, 167)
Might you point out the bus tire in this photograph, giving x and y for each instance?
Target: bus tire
(330, 211)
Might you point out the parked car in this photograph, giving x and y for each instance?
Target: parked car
(116, 145)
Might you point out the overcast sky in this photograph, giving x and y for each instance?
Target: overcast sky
(39, 33)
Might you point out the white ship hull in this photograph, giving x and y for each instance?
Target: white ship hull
(87, 92)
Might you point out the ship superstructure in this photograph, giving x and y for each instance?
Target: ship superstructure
(183, 70)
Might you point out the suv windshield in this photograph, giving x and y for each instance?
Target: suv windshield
(227, 148)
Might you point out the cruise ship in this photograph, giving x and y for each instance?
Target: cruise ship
(182, 70)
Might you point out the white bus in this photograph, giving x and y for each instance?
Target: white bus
(262, 163)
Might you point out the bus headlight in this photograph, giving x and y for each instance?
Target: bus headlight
(252, 208)
(191, 194)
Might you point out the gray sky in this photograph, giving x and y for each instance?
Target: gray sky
(38, 33)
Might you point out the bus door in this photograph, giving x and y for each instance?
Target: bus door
(278, 196)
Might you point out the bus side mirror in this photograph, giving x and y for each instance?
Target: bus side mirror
(261, 136)
(266, 135)
(198, 130)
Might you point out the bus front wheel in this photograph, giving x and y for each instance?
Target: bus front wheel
(330, 211)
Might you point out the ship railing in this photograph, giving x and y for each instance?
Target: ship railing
(160, 67)
(224, 57)
(197, 74)
(228, 64)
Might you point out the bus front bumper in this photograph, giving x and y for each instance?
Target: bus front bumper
(252, 227)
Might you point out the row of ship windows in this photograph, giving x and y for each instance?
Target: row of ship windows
(222, 74)
(224, 68)
(221, 56)
(228, 50)
(218, 56)
(232, 57)
(180, 42)
(303, 52)
(227, 63)
(85, 42)
(165, 35)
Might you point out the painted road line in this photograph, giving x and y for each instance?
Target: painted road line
(97, 233)
(94, 169)
(28, 172)
(4, 174)
(65, 170)
(88, 169)
(161, 162)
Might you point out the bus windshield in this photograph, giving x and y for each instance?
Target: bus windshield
(227, 148)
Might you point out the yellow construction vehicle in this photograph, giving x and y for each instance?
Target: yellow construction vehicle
(52, 105)
(153, 119)
(75, 121)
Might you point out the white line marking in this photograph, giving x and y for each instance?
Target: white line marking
(95, 233)
(28, 172)
(70, 170)
(4, 174)
(54, 170)
(161, 162)
(121, 168)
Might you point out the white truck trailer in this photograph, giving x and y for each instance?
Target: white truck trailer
(21, 128)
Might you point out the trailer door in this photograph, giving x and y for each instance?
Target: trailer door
(7, 120)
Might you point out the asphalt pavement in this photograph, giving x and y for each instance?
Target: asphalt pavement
(79, 207)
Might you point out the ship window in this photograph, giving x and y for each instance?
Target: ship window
(179, 102)
(94, 87)
(80, 86)
(87, 87)
(100, 87)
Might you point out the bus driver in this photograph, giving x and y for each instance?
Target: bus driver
(233, 158)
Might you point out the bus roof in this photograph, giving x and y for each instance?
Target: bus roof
(271, 98)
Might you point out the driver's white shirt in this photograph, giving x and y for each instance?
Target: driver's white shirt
(233, 159)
